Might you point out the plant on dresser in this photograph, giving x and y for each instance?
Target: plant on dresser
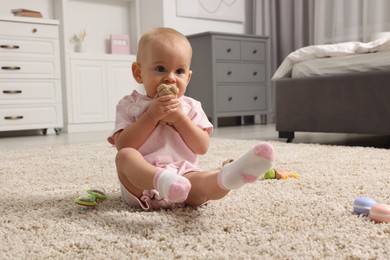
(30, 75)
(230, 74)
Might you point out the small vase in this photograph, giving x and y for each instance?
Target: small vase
(80, 47)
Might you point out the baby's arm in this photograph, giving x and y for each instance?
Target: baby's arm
(196, 138)
(137, 133)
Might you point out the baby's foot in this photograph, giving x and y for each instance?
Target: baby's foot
(248, 168)
(170, 185)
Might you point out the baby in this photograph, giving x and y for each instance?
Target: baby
(157, 163)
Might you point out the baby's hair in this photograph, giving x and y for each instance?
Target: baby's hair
(161, 34)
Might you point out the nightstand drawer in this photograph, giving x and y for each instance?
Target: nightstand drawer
(253, 51)
(29, 92)
(28, 48)
(227, 49)
(241, 98)
(27, 116)
(8, 28)
(240, 72)
(29, 69)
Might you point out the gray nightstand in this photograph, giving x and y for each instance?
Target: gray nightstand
(230, 74)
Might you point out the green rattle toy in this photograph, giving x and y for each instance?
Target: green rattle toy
(278, 173)
(93, 199)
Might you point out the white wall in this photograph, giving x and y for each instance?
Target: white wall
(98, 27)
(163, 13)
(152, 13)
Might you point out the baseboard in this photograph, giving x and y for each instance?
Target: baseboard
(91, 127)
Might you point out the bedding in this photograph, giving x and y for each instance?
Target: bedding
(329, 50)
(342, 64)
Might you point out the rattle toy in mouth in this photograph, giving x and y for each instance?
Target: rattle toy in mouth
(165, 89)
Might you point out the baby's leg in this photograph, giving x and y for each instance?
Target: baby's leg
(135, 173)
(204, 187)
(246, 169)
(138, 175)
(172, 186)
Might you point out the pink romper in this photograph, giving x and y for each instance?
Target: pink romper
(164, 148)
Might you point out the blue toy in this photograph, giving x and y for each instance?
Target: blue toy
(362, 205)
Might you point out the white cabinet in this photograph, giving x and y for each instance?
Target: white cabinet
(30, 78)
(93, 81)
(89, 91)
(96, 79)
(95, 85)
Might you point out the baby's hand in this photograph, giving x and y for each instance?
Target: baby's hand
(161, 107)
(173, 116)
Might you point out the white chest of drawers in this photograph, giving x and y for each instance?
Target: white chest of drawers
(30, 75)
(229, 74)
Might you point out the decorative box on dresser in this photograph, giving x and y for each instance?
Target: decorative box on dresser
(230, 74)
(30, 77)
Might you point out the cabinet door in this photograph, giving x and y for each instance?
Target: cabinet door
(89, 91)
(120, 83)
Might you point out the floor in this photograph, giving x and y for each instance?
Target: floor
(14, 140)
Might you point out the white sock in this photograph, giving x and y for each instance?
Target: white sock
(248, 168)
(170, 185)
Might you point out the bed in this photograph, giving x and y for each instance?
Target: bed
(350, 98)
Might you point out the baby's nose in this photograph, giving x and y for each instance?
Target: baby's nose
(170, 77)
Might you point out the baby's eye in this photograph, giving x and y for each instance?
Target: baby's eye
(160, 68)
(180, 71)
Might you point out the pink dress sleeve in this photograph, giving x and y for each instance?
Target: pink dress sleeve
(128, 109)
(197, 115)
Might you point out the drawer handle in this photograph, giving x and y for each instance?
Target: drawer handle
(254, 51)
(10, 68)
(254, 73)
(35, 30)
(229, 50)
(13, 117)
(12, 91)
(9, 46)
(229, 73)
(255, 98)
(230, 98)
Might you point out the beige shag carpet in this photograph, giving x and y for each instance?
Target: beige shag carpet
(306, 218)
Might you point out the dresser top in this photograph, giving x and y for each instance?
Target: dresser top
(210, 33)
(28, 20)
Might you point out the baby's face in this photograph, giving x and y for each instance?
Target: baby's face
(166, 63)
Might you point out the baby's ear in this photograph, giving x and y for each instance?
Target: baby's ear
(136, 69)
(189, 76)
